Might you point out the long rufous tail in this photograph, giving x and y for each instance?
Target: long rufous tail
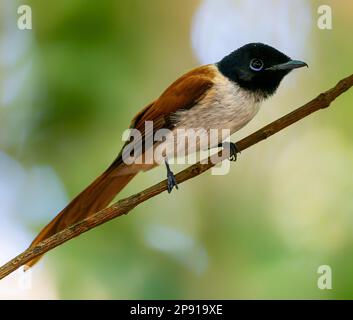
(94, 198)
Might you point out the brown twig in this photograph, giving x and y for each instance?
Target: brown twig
(124, 206)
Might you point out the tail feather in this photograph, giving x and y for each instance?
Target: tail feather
(94, 198)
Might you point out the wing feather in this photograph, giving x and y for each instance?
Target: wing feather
(183, 94)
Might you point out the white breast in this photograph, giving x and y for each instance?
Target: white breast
(225, 109)
(226, 106)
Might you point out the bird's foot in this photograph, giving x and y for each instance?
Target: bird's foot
(171, 178)
(233, 150)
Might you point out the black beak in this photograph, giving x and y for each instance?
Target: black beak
(292, 64)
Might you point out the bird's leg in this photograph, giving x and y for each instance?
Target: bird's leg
(233, 150)
(171, 178)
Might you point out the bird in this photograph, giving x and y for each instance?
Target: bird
(222, 95)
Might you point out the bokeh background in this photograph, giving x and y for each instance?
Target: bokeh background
(69, 88)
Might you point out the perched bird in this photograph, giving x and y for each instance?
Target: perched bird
(224, 95)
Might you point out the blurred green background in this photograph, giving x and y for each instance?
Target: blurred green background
(70, 87)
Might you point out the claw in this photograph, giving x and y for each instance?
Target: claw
(171, 182)
(171, 178)
(233, 150)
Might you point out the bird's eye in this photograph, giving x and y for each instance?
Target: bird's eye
(256, 64)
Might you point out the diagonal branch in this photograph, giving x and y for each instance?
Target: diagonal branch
(124, 206)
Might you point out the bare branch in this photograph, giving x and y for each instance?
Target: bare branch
(124, 206)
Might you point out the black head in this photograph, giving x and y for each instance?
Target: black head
(258, 67)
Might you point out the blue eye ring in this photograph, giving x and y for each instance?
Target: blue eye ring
(256, 64)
